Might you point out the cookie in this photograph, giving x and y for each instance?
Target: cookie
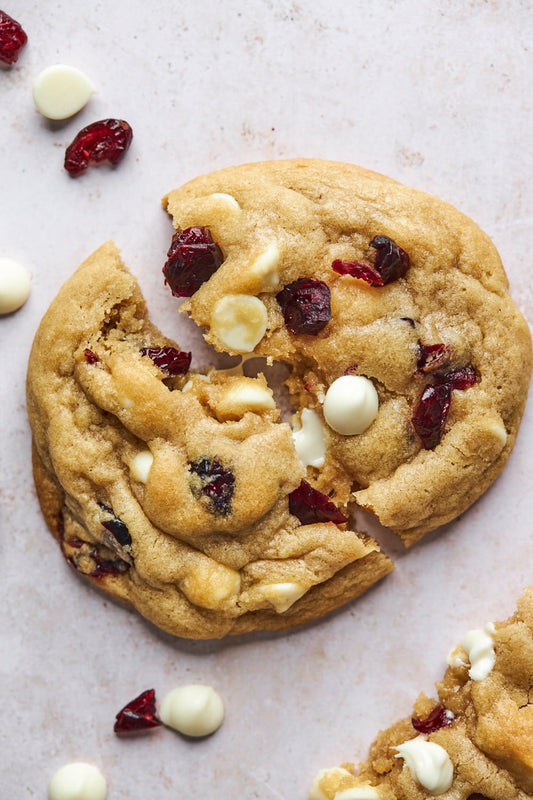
(179, 493)
(345, 274)
(476, 738)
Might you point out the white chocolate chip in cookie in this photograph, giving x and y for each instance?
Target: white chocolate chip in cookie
(245, 394)
(193, 710)
(61, 91)
(140, 466)
(429, 763)
(239, 321)
(265, 268)
(283, 595)
(211, 584)
(351, 404)
(226, 201)
(479, 646)
(77, 781)
(309, 439)
(14, 285)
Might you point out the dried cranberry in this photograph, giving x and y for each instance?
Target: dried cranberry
(138, 715)
(90, 357)
(192, 258)
(217, 483)
(105, 140)
(431, 412)
(118, 529)
(391, 263)
(107, 566)
(462, 378)
(439, 717)
(431, 357)
(12, 38)
(310, 505)
(175, 362)
(306, 305)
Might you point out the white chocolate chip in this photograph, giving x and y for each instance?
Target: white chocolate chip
(283, 595)
(499, 432)
(309, 439)
(226, 200)
(363, 792)
(77, 781)
(246, 395)
(194, 710)
(351, 404)
(140, 466)
(60, 91)
(14, 285)
(239, 321)
(324, 777)
(265, 268)
(210, 585)
(429, 763)
(479, 646)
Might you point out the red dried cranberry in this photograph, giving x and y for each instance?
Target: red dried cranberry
(107, 566)
(431, 412)
(90, 357)
(462, 378)
(105, 140)
(217, 483)
(310, 505)
(391, 263)
(306, 305)
(119, 530)
(175, 362)
(192, 258)
(12, 38)
(138, 715)
(431, 357)
(439, 717)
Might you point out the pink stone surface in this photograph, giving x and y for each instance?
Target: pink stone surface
(436, 95)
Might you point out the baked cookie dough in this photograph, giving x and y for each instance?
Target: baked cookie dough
(476, 740)
(179, 493)
(344, 273)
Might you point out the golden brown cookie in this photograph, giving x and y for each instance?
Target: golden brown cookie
(476, 740)
(345, 274)
(179, 493)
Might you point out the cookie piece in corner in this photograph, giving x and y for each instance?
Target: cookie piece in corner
(339, 271)
(474, 741)
(177, 492)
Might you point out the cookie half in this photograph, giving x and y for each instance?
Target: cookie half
(475, 740)
(179, 493)
(341, 272)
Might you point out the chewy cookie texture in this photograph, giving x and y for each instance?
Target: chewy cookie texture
(184, 494)
(475, 741)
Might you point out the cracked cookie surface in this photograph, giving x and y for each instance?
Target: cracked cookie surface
(481, 726)
(171, 489)
(445, 310)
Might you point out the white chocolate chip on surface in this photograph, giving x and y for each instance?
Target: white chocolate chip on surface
(140, 466)
(239, 321)
(351, 404)
(265, 268)
(309, 439)
(14, 285)
(429, 763)
(283, 595)
(479, 646)
(358, 793)
(194, 710)
(61, 91)
(324, 779)
(77, 781)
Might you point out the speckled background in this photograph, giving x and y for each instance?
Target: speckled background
(437, 95)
